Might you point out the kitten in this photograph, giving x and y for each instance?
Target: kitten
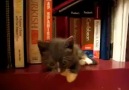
(61, 54)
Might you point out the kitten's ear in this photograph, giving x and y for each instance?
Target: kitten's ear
(69, 42)
(43, 46)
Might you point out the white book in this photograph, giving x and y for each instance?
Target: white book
(97, 32)
(124, 29)
(35, 29)
(120, 32)
(19, 33)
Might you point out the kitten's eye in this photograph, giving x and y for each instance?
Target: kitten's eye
(64, 62)
(68, 51)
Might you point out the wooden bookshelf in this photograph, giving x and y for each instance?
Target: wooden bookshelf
(107, 75)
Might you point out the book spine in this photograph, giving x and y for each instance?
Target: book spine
(47, 17)
(124, 30)
(3, 38)
(105, 31)
(54, 27)
(35, 30)
(8, 34)
(27, 30)
(87, 35)
(62, 26)
(19, 33)
(75, 29)
(97, 33)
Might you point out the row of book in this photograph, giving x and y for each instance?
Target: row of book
(91, 22)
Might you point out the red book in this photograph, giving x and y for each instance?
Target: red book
(75, 29)
(47, 24)
(62, 26)
(87, 35)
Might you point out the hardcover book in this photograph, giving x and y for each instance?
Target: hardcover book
(62, 26)
(19, 33)
(3, 34)
(35, 29)
(105, 30)
(87, 35)
(75, 29)
(97, 32)
(47, 20)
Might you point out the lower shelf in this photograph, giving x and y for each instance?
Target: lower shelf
(108, 75)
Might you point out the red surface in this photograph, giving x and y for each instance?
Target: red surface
(107, 75)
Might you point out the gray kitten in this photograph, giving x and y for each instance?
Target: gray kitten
(61, 54)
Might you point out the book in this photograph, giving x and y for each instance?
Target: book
(9, 34)
(27, 31)
(97, 33)
(47, 20)
(75, 29)
(54, 27)
(3, 35)
(87, 35)
(19, 33)
(120, 30)
(124, 30)
(35, 29)
(105, 29)
(62, 26)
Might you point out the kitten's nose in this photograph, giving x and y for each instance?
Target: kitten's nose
(58, 70)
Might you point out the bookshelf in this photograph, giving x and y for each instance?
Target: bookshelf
(104, 76)
(107, 75)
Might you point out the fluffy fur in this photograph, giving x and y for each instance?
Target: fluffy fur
(61, 54)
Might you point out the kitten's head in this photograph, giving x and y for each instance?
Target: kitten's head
(58, 53)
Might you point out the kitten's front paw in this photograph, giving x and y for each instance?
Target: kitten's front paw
(85, 60)
(82, 62)
(70, 77)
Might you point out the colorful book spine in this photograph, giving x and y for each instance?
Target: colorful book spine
(87, 35)
(35, 29)
(97, 33)
(47, 23)
(19, 33)
(75, 29)
(127, 44)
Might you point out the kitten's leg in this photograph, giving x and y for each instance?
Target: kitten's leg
(86, 60)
